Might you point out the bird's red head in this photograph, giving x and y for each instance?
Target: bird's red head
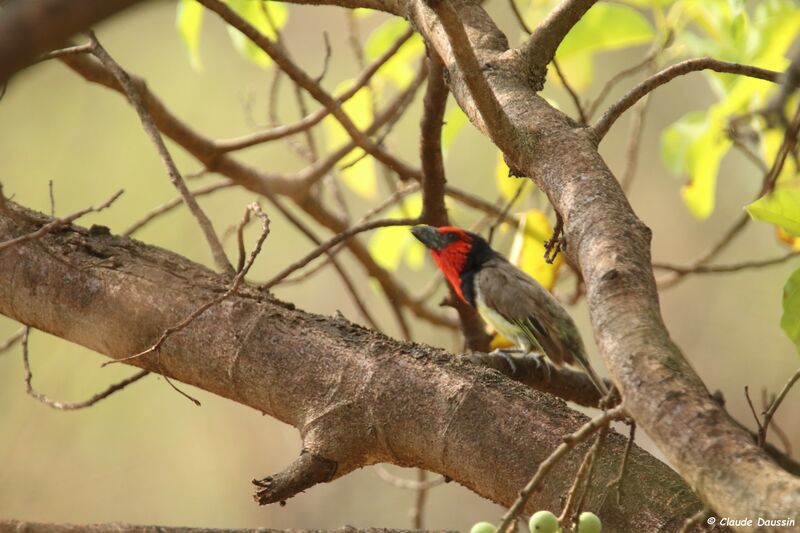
(450, 247)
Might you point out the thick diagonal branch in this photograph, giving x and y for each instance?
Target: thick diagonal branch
(33, 27)
(434, 182)
(612, 247)
(356, 396)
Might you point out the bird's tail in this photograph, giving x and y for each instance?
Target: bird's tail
(596, 379)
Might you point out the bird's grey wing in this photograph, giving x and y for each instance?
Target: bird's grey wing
(522, 300)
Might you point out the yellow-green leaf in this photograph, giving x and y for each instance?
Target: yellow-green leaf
(606, 27)
(454, 121)
(262, 16)
(790, 321)
(401, 68)
(678, 138)
(704, 159)
(506, 185)
(527, 251)
(363, 12)
(188, 21)
(781, 208)
(578, 70)
(359, 177)
(389, 245)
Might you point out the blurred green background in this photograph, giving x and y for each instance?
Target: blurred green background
(147, 455)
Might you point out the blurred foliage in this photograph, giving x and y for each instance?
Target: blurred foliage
(725, 30)
(790, 321)
(357, 170)
(267, 17)
(527, 251)
(395, 244)
(67, 467)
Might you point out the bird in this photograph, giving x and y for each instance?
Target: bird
(508, 299)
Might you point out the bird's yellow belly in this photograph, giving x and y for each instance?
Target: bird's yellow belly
(504, 327)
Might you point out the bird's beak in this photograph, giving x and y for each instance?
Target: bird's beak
(428, 236)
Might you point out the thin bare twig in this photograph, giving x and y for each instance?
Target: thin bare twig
(556, 242)
(408, 484)
(418, 511)
(310, 120)
(52, 199)
(753, 410)
(582, 115)
(57, 223)
(503, 214)
(621, 75)
(616, 483)
(633, 144)
(581, 479)
(767, 185)
(349, 285)
(69, 406)
(136, 100)
(172, 204)
(770, 412)
(327, 60)
(592, 462)
(489, 109)
(570, 441)
(12, 340)
(520, 19)
(240, 240)
(545, 39)
(302, 79)
(583, 118)
(390, 201)
(789, 142)
(718, 269)
(341, 237)
(785, 442)
(70, 50)
(237, 281)
(604, 123)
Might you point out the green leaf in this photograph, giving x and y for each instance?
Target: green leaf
(454, 121)
(695, 146)
(188, 21)
(578, 69)
(401, 68)
(704, 159)
(781, 208)
(527, 251)
(790, 321)
(389, 245)
(606, 27)
(363, 12)
(505, 184)
(360, 176)
(262, 16)
(383, 37)
(678, 138)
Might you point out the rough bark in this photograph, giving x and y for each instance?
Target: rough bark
(29, 28)
(612, 247)
(356, 396)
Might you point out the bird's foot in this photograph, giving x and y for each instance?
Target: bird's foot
(541, 364)
(506, 354)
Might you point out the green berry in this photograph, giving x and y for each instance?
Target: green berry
(543, 522)
(589, 523)
(483, 527)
